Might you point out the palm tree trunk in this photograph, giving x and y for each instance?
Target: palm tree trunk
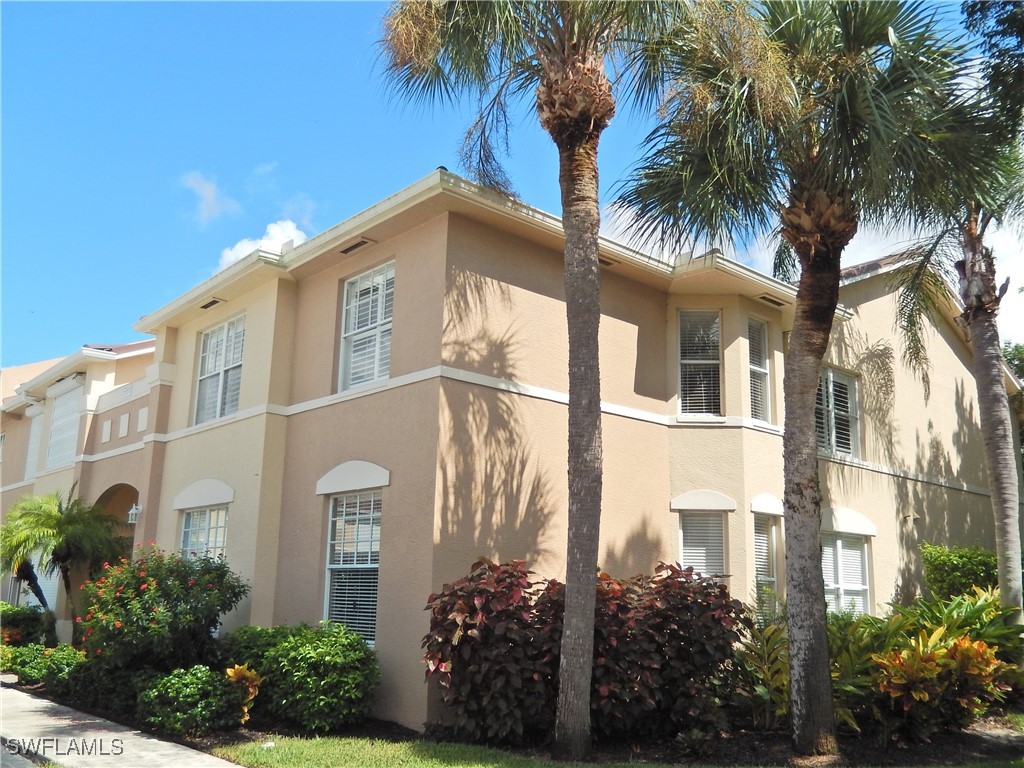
(981, 302)
(65, 574)
(27, 573)
(810, 677)
(581, 222)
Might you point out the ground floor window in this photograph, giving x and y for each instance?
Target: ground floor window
(702, 542)
(844, 565)
(353, 559)
(766, 549)
(204, 532)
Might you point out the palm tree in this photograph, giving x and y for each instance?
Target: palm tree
(61, 533)
(832, 115)
(558, 53)
(958, 255)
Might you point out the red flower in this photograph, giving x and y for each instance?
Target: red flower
(141, 586)
(99, 651)
(117, 624)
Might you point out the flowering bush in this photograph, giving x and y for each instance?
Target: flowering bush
(21, 624)
(159, 610)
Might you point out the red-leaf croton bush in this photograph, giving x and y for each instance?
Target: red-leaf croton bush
(662, 649)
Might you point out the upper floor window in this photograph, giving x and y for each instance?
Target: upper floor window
(220, 370)
(353, 560)
(63, 440)
(700, 363)
(757, 342)
(204, 532)
(366, 331)
(835, 413)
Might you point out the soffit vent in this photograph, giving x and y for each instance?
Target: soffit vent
(767, 298)
(605, 262)
(356, 244)
(211, 303)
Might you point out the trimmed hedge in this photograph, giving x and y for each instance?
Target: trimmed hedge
(953, 571)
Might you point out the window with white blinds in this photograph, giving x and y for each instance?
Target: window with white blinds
(63, 440)
(844, 566)
(702, 542)
(766, 543)
(366, 333)
(353, 558)
(836, 414)
(220, 370)
(700, 363)
(757, 343)
(204, 532)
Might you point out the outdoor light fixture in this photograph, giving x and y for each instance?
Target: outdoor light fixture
(133, 514)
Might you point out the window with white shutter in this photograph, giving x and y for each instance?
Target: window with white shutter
(844, 566)
(702, 542)
(35, 429)
(219, 382)
(836, 419)
(766, 543)
(757, 342)
(204, 532)
(366, 332)
(700, 363)
(353, 558)
(67, 413)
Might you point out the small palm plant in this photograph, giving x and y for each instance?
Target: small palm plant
(60, 533)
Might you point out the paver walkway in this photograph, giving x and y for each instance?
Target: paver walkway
(77, 740)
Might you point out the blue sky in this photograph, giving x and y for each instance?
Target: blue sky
(143, 140)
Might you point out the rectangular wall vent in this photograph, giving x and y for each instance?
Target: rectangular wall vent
(769, 299)
(356, 245)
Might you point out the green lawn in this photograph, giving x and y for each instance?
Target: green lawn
(337, 752)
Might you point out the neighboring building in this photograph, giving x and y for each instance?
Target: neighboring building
(353, 422)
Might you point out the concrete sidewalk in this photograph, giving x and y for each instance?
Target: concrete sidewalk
(70, 738)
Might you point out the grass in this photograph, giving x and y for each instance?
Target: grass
(1017, 720)
(341, 752)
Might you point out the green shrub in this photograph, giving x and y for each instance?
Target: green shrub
(103, 688)
(20, 624)
(159, 610)
(250, 644)
(321, 679)
(190, 702)
(36, 663)
(953, 571)
(763, 656)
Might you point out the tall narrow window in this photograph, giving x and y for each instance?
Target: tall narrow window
(366, 335)
(766, 542)
(353, 558)
(204, 532)
(702, 542)
(700, 363)
(835, 413)
(67, 412)
(844, 565)
(220, 370)
(757, 339)
(35, 429)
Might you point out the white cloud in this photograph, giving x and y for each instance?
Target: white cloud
(212, 202)
(278, 233)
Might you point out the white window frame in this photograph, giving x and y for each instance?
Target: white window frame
(840, 588)
(208, 525)
(766, 576)
(220, 354)
(35, 430)
(367, 310)
(759, 370)
(828, 412)
(353, 559)
(695, 364)
(707, 520)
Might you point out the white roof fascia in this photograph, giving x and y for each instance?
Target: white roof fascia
(69, 365)
(254, 261)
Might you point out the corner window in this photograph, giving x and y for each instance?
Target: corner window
(844, 565)
(220, 370)
(204, 532)
(353, 559)
(702, 542)
(700, 364)
(366, 330)
(835, 413)
(757, 344)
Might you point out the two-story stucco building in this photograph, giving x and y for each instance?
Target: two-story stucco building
(354, 421)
